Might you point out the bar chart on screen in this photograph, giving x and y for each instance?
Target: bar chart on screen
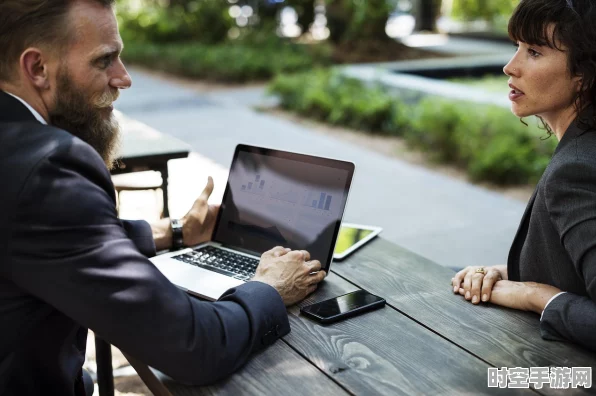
(255, 186)
(276, 195)
(318, 200)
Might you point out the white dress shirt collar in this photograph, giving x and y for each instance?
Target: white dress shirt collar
(31, 109)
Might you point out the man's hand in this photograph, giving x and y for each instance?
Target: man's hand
(290, 273)
(199, 222)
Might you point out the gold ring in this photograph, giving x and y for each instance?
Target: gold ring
(480, 271)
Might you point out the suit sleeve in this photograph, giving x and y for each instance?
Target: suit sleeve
(70, 250)
(571, 202)
(139, 232)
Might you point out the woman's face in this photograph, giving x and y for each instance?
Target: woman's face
(540, 81)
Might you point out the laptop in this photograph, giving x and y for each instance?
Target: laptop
(272, 198)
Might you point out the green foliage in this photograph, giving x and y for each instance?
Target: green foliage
(497, 12)
(358, 19)
(204, 21)
(488, 141)
(329, 97)
(228, 62)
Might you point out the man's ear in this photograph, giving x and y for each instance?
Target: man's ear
(35, 68)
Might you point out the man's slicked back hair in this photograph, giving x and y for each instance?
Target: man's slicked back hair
(33, 23)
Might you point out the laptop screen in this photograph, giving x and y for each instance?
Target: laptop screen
(276, 198)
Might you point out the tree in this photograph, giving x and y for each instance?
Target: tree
(358, 19)
(305, 10)
(427, 12)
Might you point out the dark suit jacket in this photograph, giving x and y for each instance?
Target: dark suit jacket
(67, 263)
(556, 241)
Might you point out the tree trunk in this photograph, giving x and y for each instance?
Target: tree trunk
(427, 12)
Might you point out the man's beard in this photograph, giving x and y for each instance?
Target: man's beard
(87, 118)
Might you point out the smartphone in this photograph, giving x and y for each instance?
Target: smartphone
(338, 308)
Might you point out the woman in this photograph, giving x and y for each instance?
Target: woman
(551, 268)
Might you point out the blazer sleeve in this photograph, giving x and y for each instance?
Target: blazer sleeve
(69, 249)
(139, 232)
(571, 202)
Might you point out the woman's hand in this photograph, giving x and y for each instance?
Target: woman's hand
(476, 283)
(525, 296)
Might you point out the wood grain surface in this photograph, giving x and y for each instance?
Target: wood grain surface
(425, 341)
(278, 370)
(421, 290)
(382, 352)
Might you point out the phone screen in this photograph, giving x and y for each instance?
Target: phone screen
(342, 304)
(349, 236)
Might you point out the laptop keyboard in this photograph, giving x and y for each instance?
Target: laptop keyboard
(221, 261)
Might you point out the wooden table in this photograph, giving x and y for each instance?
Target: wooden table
(144, 148)
(425, 341)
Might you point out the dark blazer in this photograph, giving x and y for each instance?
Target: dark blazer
(67, 263)
(556, 240)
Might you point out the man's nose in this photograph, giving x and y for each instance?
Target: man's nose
(121, 78)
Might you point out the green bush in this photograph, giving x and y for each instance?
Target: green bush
(496, 12)
(227, 62)
(329, 97)
(203, 21)
(432, 128)
(488, 141)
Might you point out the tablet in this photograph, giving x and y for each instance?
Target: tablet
(351, 237)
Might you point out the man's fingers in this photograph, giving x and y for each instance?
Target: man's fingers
(314, 265)
(279, 253)
(306, 255)
(296, 254)
(275, 252)
(311, 289)
(208, 189)
(317, 277)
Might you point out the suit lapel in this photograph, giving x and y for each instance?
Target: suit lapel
(520, 238)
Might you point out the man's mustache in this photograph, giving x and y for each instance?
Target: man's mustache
(106, 99)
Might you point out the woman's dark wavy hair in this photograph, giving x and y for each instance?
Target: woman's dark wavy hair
(575, 28)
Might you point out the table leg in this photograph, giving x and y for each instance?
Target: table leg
(164, 188)
(148, 377)
(105, 376)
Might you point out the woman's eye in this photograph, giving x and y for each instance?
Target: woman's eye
(533, 53)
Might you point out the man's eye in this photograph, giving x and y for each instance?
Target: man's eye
(105, 62)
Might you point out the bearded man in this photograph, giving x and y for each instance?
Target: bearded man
(67, 262)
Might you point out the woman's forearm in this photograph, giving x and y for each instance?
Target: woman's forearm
(503, 270)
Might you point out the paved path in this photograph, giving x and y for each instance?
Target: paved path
(448, 221)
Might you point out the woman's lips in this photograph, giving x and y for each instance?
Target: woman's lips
(515, 93)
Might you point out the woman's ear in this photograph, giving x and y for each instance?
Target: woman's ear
(34, 67)
(578, 83)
